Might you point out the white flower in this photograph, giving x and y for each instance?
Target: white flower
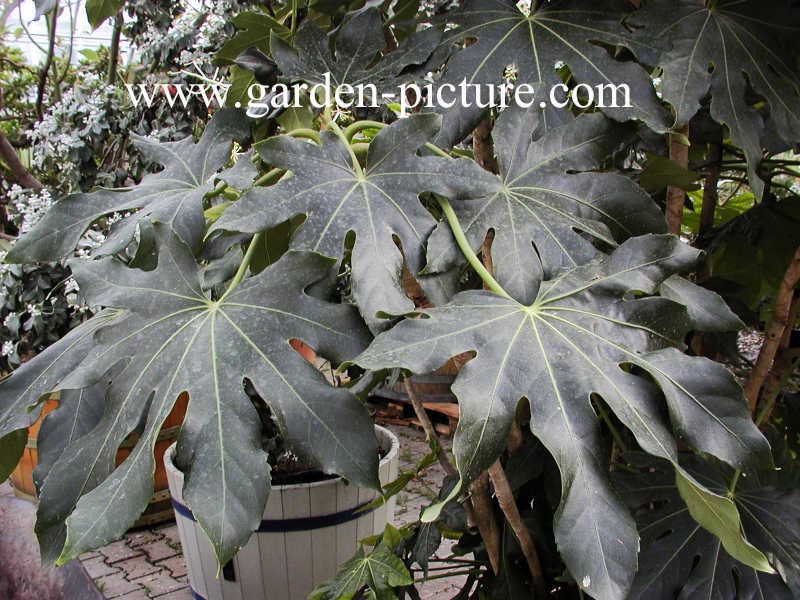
(8, 348)
(9, 317)
(71, 286)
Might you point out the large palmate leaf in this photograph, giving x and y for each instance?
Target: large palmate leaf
(173, 195)
(21, 392)
(730, 49)
(354, 59)
(174, 339)
(680, 559)
(377, 204)
(567, 32)
(78, 412)
(544, 212)
(575, 342)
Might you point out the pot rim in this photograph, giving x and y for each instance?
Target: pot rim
(394, 450)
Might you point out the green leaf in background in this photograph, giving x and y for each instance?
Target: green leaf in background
(379, 572)
(378, 204)
(548, 204)
(173, 195)
(358, 44)
(172, 338)
(680, 559)
(577, 340)
(98, 11)
(727, 210)
(562, 32)
(12, 446)
(253, 31)
(742, 43)
(748, 255)
(661, 172)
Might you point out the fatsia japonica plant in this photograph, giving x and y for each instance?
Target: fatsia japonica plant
(622, 465)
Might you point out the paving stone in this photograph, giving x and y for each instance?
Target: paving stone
(113, 586)
(140, 538)
(158, 550)
(176, 565)
(159, 583)
(118, 551)
(170, 535)
(184, 594)
(135, 595)
(89, 555)
(97, 567)
(136, 567)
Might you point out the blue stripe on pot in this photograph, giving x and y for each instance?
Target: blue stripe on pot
(301, 524)
(195, 595)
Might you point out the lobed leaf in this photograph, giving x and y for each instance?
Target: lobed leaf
(681, 559)
(726, 49)
(172, 338)
(378, 205)
(568, 32)
(571, 345)
(173, 196)
(548, 209)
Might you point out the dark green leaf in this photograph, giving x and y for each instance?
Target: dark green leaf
(707, 309)
(358, 44)
(78, 412)
(543, 211)
(253, 31)
(173, 338)
(728, 48)
(12, 446)
(22, 390)
(428, 540)
(173, 195)
(572, 342)
(680, 559)
(377, 206)
(753, 251)
(568, 32)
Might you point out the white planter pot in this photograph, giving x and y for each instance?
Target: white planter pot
(307, 531)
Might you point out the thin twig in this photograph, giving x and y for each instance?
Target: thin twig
(710, 192)
(427, 426)
(483, 508)
(775, 332)
(676, 197)
(51, 51)
(505, 498)
(22, 176)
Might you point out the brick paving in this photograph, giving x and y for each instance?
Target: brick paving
(148, 563)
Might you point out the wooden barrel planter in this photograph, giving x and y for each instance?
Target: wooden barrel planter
(159, 509)
(307, 531)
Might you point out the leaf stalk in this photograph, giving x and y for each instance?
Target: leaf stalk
(468, 252)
